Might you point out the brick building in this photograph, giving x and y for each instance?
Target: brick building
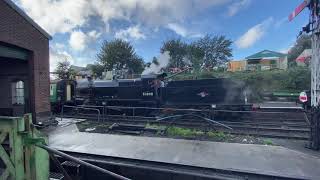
(24, 64)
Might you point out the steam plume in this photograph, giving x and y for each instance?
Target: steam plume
(163, 61)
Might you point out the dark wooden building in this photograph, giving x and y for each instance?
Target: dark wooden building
(24, 64)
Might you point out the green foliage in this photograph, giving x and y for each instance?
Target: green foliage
(177, 51)
(119, 54)
(208, 51)
(195, 55)
(187, 132)
(96, 69)
(302, 43)
(267, 142)
(218, 135)
(64, 70)
(183, 132)
(217, 49)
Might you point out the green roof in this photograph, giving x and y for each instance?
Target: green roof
(266, 54)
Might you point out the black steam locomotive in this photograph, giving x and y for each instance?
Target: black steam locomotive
(156, 91)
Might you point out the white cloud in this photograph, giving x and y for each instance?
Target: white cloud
(178, 29)
(94, 34)
(254, 34)
(78, 40)
(133, 32)
(58, 56)
(182, 31)
(285, 50)
(61, 16)
(280, 22)
(235, 7)
(57, 16)
(58, 46)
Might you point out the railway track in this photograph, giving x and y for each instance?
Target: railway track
(289, 125)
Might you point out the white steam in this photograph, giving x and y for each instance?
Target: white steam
(163, 61)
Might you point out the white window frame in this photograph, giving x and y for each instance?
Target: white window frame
(17, 89)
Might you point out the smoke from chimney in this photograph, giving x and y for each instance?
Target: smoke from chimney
(163, 61)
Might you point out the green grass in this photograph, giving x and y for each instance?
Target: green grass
(218, 135)
(174, 131)
(267, 142)
(155, 126)
(183, 132)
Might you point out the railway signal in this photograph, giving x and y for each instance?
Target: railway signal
(298, 9)
(303, 97)
(313, 27)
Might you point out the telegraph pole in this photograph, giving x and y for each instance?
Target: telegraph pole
(313, 27)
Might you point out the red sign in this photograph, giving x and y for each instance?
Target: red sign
(298, 9)
(303, 97)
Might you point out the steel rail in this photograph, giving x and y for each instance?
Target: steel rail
(207, 119)
(79, 107)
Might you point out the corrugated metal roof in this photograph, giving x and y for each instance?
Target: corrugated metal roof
(27, 18)
(266, 54)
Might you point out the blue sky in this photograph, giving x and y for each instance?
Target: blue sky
(79, 27)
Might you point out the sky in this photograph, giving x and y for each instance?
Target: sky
(79, 27)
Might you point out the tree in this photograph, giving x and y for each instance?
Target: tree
(155, 61)
(119, 54)
(217, 49)
(96, 69)
(177, 51)
(195, 55)
(64, 70)
(302, 43)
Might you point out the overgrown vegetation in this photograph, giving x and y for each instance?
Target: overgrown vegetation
(177, 132)
(119, 54)
(268, 142)
(206, 52)
(183, 132)
(174, 131)
(302, 43)
(64, 70)
(218, 134)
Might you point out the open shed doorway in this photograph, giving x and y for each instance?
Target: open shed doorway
(14, 81)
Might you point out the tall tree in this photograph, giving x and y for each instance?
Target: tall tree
(119, 54)
(195, 55)
(217, 49)
(64, 70)
(177, 51)
(302, 43)
(96, 69)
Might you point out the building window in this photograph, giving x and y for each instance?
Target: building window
(17, 92)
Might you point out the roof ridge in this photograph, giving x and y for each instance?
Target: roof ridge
(27, 18)
(262, 52)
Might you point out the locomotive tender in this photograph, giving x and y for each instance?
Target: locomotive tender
(218, 93)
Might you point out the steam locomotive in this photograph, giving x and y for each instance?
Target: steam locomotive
(151, 91)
